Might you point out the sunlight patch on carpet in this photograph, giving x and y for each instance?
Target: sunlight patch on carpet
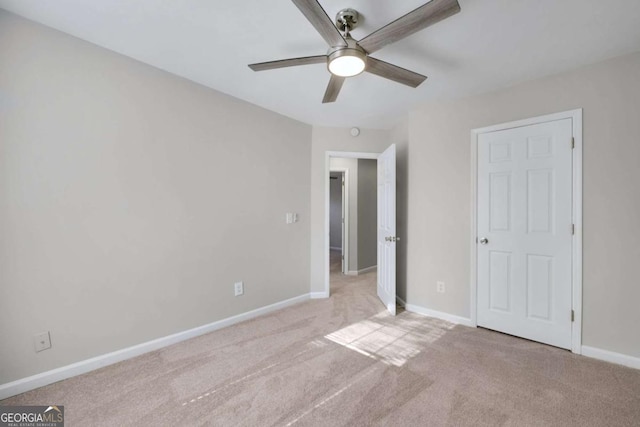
(389, 339)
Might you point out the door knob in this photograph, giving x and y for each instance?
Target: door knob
(484, 241)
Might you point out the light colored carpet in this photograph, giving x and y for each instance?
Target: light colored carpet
(345, 362)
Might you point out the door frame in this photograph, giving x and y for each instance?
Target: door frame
(576, 255)
(345, 209)
(327, 176)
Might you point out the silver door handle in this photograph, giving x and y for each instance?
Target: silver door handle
(484, 241)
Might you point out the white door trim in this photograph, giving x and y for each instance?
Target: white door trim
(576, 285)
(327, 176)
(345, 203)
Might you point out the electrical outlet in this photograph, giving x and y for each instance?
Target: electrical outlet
(42, 341)
(238, 288)
(440, 287)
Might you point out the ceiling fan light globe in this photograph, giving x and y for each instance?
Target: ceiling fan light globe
(346, 66)
(347, 62)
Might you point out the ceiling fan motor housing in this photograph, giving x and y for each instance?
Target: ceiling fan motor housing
(347, 19)
(352, 50)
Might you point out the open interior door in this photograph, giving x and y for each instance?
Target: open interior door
(343, 228)
(387, 228)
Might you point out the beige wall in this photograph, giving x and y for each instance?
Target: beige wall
(439, 193)
(332, 139)
(367, 213)
(131, 201)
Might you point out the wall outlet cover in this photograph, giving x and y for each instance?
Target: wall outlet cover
(42, 341)
(238, 288)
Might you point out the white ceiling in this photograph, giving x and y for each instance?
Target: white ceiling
(488, 45)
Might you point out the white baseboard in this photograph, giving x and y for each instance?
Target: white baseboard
(593, 352)
(363, 271)
(319, 295)
(610, 356)
(84, 366)
(437, 314)
(368, 269)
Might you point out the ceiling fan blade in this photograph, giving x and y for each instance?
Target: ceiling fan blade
(282, 63)
(393, 72)
(333, 89)
(312, 10)
(414, 21)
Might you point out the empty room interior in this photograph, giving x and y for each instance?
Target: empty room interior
(320, 213)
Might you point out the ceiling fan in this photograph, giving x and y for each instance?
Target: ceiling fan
(347, 57)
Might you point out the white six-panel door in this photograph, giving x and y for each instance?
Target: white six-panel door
(387, 228)
(524, 221)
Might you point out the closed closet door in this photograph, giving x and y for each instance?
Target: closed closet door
(525, 231)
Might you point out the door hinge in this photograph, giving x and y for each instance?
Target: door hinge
(573, 316)
(573, 143)
(573, 229)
